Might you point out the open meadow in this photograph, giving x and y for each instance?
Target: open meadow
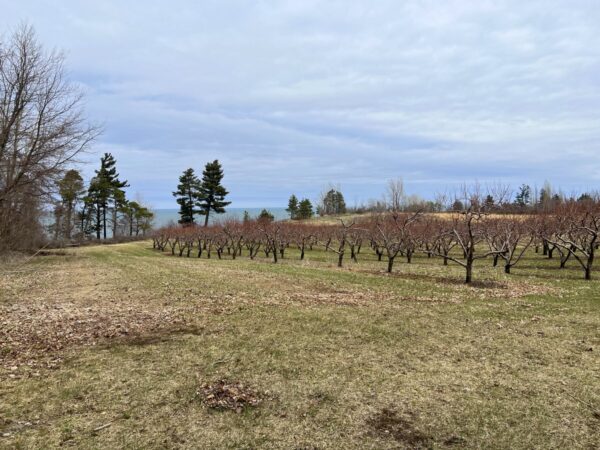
(123, 346)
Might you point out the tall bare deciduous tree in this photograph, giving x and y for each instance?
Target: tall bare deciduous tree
(395, 194)
(42, 130)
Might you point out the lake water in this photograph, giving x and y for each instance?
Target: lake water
(163, 217)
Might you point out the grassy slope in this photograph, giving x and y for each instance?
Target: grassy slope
(504, 365)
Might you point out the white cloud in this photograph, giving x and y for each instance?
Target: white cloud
(293, 94)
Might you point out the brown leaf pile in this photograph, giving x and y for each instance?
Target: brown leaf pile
(36, 335)
(228, 395)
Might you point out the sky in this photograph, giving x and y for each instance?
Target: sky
(292, 96)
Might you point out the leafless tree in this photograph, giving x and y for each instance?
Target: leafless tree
(579, 233)
(395, 194)
(42, 128)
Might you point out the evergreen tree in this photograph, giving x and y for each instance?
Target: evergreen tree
(128, 210)
(93, 204)
(71, 190)
(545, 197)
(187, 194)
(523, 198)
(332, 203)
(305, 209)
(489, 203)
(246, 218)
(104, 188)
(119, 202)
(458, 205)
(266, 216)
(143, 220)
(211, 196)
(136, 216)
(292, 208)
(86, 217)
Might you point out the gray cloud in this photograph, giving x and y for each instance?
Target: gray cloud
(292, 95)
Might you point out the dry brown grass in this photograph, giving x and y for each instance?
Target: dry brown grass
(109, 347)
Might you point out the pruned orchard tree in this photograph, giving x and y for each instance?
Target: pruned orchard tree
(395, 233)
(42, 130)
(467, 228)
(579, 233)
(509, 239)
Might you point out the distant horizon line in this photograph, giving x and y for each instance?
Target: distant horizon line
(235, 207)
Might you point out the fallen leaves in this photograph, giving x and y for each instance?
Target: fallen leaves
(36, 335)
(228, 395)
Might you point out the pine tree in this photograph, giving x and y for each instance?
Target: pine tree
(332, 203)
(86, 217)
(187, 194)
(212, 194)
(292, 208)
(70, 189)
(266, 216)
(457, 205)
(136, 216)
(523, 198)
(104, 188)
(305, 209)
(489, 203)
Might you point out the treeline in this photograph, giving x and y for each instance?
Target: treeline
(570, 230)
(99, 211)
(496, 197)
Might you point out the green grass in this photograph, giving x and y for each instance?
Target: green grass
(343, 358)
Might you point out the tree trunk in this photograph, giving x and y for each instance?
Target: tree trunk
(98, 221)
(104, 220)
(590, 263)
(206, 217)
(69, 220)
(390, 265)
(469, 274)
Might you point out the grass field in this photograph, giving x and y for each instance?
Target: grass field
(110, 347)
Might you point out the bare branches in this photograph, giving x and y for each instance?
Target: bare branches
(42, 127)
(461, 238)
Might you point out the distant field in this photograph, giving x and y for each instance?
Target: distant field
(121, 346)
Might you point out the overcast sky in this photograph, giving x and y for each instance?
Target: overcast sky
(293, 95)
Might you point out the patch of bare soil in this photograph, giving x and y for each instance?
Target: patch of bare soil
(400, 427)
(228, 395)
